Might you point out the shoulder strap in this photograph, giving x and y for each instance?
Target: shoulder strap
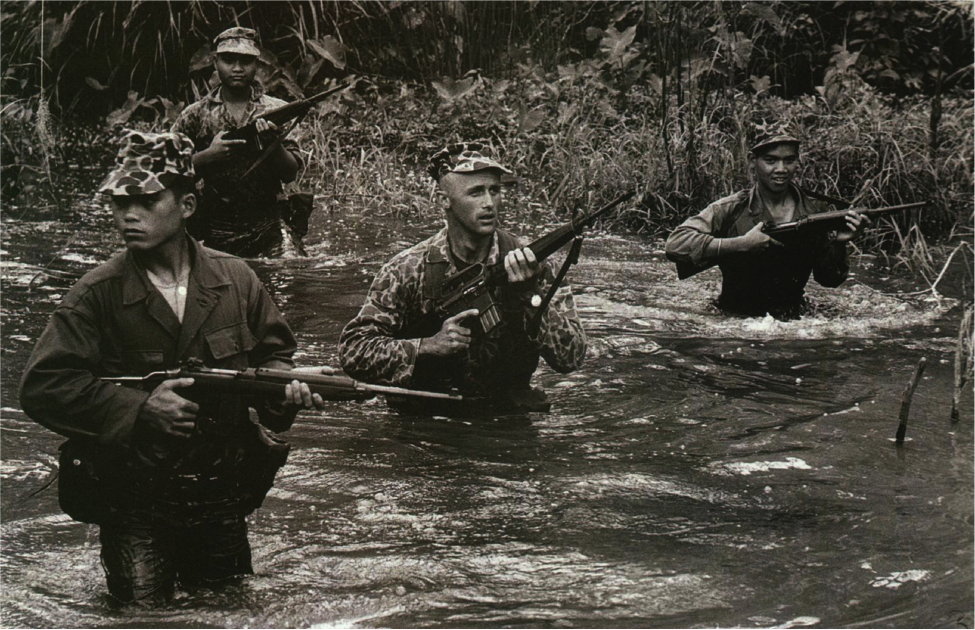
(434, 274)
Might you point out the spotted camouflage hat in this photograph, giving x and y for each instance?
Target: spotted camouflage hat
(463, 157)
(767, 134)
(238, 39)
(148, 163)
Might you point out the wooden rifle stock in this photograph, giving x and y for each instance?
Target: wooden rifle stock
(269, 383)
(826, 221)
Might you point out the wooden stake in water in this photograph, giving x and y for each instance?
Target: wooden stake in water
(906, 401)
(964, 359)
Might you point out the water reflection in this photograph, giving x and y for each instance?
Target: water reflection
(698, 471)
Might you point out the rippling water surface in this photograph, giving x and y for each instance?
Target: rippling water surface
(699, 471)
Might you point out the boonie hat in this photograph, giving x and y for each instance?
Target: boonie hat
(238, 39)
(148, 163)
(463, 157)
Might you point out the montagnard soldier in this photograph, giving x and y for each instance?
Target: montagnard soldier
(761, 275)
(390, 341)
(240, 212)
(168, 485)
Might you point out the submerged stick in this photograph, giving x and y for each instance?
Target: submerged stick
(906, 400)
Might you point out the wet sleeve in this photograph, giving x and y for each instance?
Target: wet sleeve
(561, 339)
(834, 267)
(689, 244)
(275, 346)
(368, 346)
(60, 390)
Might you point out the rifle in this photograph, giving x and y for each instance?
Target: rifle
(470, 287)
(826, 221)
(268, 383)
(279, 116)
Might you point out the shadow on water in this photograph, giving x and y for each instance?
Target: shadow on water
(698, 471)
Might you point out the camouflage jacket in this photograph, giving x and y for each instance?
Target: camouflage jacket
(381, 345)
(207, 117)
(772, 281)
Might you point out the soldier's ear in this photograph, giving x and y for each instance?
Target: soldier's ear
(188, 203)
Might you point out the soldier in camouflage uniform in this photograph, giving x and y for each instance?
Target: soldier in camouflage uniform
(386, 342)
(175, 484)
(240, 217)
(760, 275)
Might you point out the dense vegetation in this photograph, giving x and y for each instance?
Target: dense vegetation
(577, 96)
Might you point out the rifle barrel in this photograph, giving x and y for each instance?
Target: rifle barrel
(835, 215)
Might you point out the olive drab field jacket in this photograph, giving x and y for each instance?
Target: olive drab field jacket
(114, 322)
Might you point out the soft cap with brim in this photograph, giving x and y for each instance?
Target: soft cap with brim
(148, 163)
(464, 157)
(238, 39)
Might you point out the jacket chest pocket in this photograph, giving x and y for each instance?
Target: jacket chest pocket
(228, 346)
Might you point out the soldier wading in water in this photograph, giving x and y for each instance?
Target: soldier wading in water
(390, 341)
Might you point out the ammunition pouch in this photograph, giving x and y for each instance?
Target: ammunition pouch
(262, 459)
(81, 489)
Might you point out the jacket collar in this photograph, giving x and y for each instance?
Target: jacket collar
(257, 91)
(438, 251)
(136, 284)
(755, 209)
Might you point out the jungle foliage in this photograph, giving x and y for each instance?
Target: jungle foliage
(577, 96)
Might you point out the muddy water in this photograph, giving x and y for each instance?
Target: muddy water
(698, 471)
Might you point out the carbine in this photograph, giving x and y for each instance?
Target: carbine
(268, 383)
(826, 221)
(279, 116)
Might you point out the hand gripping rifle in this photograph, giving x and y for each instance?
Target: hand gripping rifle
(826, 221)
(471, 287)
(279, 116)
(267, 383)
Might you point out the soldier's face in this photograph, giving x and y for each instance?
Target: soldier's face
(235, 70)
(475, 200)
(148, 221)
(776, 167)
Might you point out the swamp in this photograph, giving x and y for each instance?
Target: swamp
(699, 470)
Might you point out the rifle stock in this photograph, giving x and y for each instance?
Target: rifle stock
(826, 221)
(269, 383)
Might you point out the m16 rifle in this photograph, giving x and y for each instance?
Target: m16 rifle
(470, 287)
(279, 116)
(827, 221)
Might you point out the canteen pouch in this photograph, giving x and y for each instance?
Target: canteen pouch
(258, 467)
(80, 489)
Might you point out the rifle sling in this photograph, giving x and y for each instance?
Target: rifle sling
(570, 260)
(270, 149)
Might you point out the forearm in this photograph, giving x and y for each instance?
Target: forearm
(561, 337)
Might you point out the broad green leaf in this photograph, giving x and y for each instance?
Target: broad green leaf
(331, 49)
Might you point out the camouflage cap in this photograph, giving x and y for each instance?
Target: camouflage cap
(238, 39)
(464, 157)
(148, 163)
(768, 134)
